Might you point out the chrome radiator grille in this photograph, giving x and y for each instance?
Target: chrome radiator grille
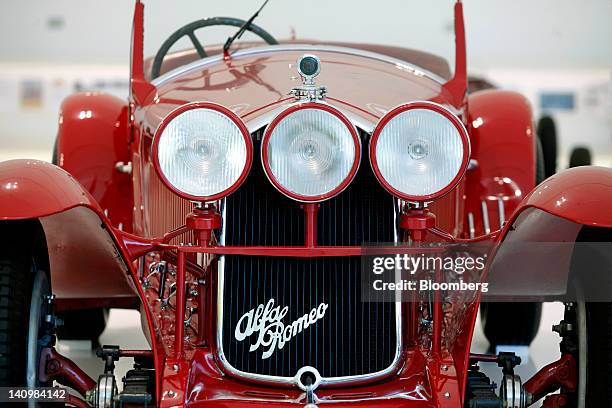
(353, 338)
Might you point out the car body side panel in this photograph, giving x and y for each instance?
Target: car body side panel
(92, 139)
(504, 157)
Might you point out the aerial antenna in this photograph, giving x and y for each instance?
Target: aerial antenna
(241, 30)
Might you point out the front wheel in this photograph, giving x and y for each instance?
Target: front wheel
(24, 290)
(592, 349)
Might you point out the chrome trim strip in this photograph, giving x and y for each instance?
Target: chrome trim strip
(249, 52)
(502, 212)
(471, 227)
(293, 381)
(485, 217)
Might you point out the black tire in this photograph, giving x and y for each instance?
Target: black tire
(547, 135)
(599, 363)
(514, 324)
(19, 259)
(580, 156)
(592, 320)
(510, 324)
(84, 324)
(15, 295)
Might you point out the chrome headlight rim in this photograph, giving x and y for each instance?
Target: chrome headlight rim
(354, 168)
(219, 109)
(453, 119)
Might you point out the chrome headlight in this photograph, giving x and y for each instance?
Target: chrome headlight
(419, 151)
(311, 152)
(202, 151)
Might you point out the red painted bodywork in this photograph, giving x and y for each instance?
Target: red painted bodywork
(576, 195)
(77, 241)
(95, 126)
(503, 145)
(92, 258)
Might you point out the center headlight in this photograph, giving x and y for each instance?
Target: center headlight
(311, 152)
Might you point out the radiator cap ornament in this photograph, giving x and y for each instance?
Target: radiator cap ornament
(309, 67)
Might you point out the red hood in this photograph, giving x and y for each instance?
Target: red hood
(256, 82)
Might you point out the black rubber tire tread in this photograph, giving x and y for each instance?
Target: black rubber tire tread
(84, 324)
(15, 293)
(580, 156)
(599, 367)
(513, 324)
(547, 135)
(540, 163)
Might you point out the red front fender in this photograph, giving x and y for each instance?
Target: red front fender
(33, 189)
(83, 254)
(581, 195)
(536, 248)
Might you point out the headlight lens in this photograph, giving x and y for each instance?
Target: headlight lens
(311, 152)
(203, 151)
(419, 151)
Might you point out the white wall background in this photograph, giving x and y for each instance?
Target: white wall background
(530, 46)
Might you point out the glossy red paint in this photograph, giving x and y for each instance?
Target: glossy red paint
(234, 118)
(77, 402)
(70, 217)
(251, 82)
(95, 125)
(33, 189)
(411, 387)
(311, 211)
(82, 241)
(435, 108)
(576, 195)
(559, 374)
(140, 88)
(457, 85)
(266, 140)
(503, 153)
(55, 367)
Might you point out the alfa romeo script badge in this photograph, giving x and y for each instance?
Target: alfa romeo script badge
(265, 323)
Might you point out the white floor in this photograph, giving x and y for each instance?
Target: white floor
(124, 330)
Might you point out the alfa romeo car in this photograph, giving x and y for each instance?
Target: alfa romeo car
(231, 199)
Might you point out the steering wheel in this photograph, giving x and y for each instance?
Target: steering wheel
(189, 31)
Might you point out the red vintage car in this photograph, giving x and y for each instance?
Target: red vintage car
(229, 199)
